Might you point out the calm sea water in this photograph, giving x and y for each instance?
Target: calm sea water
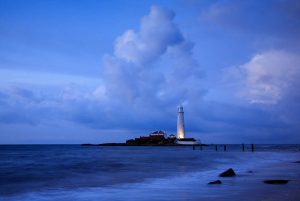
(73, 172)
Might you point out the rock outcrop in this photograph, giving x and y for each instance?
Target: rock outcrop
(276, 181)
(215, 182)
(228, 173)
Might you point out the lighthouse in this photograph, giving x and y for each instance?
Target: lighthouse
(180, 123)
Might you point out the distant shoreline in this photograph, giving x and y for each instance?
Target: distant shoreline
(135, 145)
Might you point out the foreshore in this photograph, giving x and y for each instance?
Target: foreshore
(249, 183)
(154, 173)
(253, 185)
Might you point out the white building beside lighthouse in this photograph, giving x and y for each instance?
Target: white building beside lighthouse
(181, 139)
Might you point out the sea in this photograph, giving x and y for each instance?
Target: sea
(118, 173)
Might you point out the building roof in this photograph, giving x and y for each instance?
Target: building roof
(159, 132)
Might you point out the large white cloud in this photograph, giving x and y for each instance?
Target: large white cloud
(154, 65)
(157, 32)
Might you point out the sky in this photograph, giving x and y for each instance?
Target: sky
(106, 71)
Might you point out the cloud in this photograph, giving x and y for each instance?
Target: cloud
(153, 65)
(270, 77)
(157, 32)
(271, 24)
(28, 104)
(268, 85)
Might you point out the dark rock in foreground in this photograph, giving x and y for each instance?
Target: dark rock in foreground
(227, 173)
(276, 181)
(215, 182)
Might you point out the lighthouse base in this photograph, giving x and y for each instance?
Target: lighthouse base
(187, 141)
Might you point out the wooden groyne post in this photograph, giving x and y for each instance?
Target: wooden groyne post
(225, 147)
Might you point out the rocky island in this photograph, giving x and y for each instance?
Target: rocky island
(156, 138)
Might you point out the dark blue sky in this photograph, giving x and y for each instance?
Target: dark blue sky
(101, 71)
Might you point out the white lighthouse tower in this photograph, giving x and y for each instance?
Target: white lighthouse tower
(180, 123)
